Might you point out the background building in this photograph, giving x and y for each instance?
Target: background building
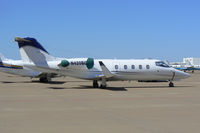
(191, 61)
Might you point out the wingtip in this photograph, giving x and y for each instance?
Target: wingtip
(101, 63)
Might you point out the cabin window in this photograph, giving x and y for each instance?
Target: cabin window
(140, 66)
(147, 67)
(116, 66)
(133, 66)
(125, 67)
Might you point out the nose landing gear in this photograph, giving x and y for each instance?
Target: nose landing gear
(171, 84)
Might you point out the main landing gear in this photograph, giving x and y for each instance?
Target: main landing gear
(103, 84)
(171, 84)
(192, 71)
(45, 79)
(95, 84)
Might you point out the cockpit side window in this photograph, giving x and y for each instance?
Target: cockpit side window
(161, 64)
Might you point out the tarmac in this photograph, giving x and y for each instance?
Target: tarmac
(72, 106)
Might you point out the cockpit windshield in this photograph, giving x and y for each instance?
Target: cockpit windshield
(161, 64)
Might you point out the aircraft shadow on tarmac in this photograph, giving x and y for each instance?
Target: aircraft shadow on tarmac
(82, 87)
(154, 87)
(90, 87)
(52, 82)
(119, 88)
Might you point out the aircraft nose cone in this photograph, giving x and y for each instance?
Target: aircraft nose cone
(182, 75)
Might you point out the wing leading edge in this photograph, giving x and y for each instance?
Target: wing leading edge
(106, 72)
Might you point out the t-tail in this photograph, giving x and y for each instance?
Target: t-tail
(32, 51)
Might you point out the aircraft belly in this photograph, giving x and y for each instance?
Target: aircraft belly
(83, 74)
(141, 76)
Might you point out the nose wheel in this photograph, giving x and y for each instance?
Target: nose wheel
(171, 84)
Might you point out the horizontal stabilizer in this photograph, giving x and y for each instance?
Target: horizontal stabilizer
(105, 70)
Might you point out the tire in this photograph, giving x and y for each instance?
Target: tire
(95, 84)
(171, 84)
(44, 80)
(103, 86)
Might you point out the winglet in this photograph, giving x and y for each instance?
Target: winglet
(105, 70)
(101, 63)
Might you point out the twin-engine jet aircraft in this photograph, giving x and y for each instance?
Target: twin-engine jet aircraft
(186, 68)
(37, 58)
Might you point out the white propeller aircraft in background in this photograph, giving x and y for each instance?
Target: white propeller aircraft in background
(16, 67)
(37, 58)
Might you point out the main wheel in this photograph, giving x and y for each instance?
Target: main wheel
(95, 84)
(103, 86)
(45, 79)
(171, 84)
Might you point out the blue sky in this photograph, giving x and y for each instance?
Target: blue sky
(161, 29)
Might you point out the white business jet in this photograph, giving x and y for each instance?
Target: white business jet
(37, 58)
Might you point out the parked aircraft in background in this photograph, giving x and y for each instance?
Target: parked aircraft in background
(17, 67)
(186, 68)
(37, 58)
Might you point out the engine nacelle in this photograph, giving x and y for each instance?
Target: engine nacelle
(64, 63)
(90, 63)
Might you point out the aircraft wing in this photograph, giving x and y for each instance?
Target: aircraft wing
(106, 72)
(196, 68)
(192, 68)
(44, 71)
(180, 68)
(40, 68)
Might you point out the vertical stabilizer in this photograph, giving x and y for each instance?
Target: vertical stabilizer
(32, 51)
